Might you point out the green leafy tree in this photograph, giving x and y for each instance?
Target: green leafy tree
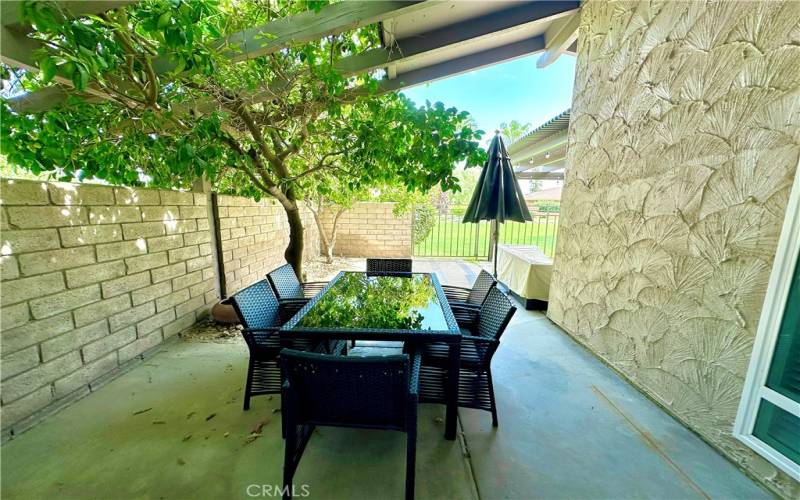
(513, 130)
(178, 104)
(534, 185)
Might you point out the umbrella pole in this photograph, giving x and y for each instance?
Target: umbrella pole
(496, 239)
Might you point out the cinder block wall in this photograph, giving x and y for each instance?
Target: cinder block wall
(683, 144)
(254, 236)
(370, 229)
(94, 276)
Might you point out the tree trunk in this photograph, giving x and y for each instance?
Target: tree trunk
(294, 250)
(327, 247)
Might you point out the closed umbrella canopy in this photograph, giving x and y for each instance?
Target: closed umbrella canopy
(497, 195)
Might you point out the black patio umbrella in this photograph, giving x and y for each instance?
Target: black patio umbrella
(497, 195)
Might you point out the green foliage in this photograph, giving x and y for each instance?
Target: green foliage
(513, 130)
(548, 206)
(468, 180)
(183, 105)
(424, 220)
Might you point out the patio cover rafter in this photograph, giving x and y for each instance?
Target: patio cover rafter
(541, 176)
(331, 19)
(17, 49)
(455, 46)
(473, 30)
(559, 38)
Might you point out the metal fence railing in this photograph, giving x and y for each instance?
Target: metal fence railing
(439, 232)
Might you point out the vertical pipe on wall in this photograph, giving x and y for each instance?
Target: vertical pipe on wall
(218, 261)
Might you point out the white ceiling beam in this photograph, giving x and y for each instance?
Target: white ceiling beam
(17, 49)
(541, 176)
(541, 168)
(466, 63)
(331, 19)
(11, 10)
(540, 147)
(558, 38)
(465, 32)
(309, 26)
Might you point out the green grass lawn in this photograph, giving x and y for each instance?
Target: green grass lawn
(454, 239)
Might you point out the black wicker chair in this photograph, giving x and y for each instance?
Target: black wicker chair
(388, 265)
(291, 293)
(473, 296)
(481, 338)
(258, 312)
(377, 392)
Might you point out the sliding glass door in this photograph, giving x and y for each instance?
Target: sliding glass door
(769, 412)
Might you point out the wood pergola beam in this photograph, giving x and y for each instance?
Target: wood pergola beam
(11, 10)
(540, 147)
(466, 63)
(309, 26)
(558, 39)
(17, 49)
(254, 42)
(541, 176)
(481, 28)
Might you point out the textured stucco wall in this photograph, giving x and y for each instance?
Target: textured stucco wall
(683, 144)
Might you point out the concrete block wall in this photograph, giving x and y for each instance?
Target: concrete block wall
(92, 277)
(370, 229)
(253, 237)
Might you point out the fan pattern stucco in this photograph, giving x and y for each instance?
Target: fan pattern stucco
(683, 145)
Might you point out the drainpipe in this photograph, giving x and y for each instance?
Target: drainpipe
(213, 218)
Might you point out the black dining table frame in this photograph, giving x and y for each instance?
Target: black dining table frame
(452, 337)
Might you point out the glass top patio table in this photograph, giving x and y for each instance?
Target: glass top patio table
(410, 307)
(379, 305)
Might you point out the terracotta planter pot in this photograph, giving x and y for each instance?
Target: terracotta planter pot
(223, 312)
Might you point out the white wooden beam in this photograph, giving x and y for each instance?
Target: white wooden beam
(558, 39)
(541, 168)
(541, 147)
(305, 27)
(466, 63)
(11, 10)
(262, 40)
(541, 176)
(462, 33)
(16, 49)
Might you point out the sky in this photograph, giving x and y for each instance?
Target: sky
(515, 90)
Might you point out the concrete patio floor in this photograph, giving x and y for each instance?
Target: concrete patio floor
(173, 427)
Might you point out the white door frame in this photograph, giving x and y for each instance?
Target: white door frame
(755, 389)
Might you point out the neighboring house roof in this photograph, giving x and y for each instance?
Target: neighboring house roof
(541, 153)
(550, 194)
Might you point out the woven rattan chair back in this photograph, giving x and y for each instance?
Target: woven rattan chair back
(495, 314)
(389, 265)
(257, 306)
(480, 289)
(285, 283)
(368, 391)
